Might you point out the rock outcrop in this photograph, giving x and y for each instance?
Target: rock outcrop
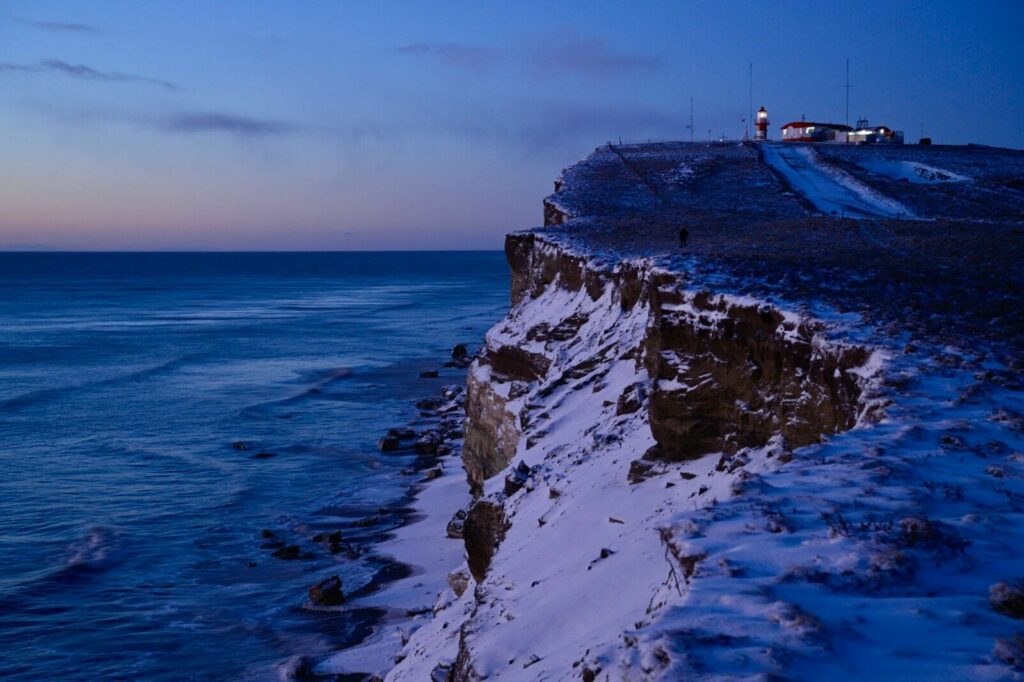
(724, 373)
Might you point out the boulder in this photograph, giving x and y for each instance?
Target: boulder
(429, 374)
(428, 443)
(517, 478)
(458, 581)
(459, 351)
(401, 433)
(288, 552)
(329, 538)
(327, 592)
(631, 400)
(388, 444)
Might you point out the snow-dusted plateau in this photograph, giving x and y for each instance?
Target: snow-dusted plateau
(791, 447)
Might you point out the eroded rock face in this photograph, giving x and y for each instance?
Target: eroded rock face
(726, 373)
(731, 374)
(492, 431)
(483, 531)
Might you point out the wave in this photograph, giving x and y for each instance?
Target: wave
(43, 395)
(88, 555)
(321, 382)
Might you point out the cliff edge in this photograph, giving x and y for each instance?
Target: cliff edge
(790, 446)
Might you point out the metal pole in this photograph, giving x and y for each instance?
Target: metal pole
(847, 91)
(750, 98)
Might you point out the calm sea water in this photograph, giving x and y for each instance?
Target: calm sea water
(130, 542)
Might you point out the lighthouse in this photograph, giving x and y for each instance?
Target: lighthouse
(761, 125)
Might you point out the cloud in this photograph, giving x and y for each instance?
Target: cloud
(217, 122)
(590, 56)
(83, 72)
(594, 57)
(454, 54)
(59, 26)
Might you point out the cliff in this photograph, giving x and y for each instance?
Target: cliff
(684, 466)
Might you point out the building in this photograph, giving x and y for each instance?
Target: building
(866, 134)
(761, 124)
(811, 131)
(837, 133)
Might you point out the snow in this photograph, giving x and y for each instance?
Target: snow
(424, 544)
(867, 556)
(593, 572)
(911, 171)
(831, 190)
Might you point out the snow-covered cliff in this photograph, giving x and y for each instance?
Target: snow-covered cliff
(673, 481)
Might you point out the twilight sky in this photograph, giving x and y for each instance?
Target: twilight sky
(312, 125)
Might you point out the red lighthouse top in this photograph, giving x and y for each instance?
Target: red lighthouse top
(761, 124)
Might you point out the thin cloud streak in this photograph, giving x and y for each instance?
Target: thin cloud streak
(594, 57)
(590, 56)
(454, 54)
(83, 72)
(217, 122)
(58, 26)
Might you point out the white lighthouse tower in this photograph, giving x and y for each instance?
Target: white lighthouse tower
(761, 125)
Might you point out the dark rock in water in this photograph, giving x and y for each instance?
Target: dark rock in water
(272, 544)
(301, 669)
(1007, 598)
(428, 404)
(388, 444)
(288, 552)
(334, 536)
(266, 533)
(429, 374)
(431, 474)
(428, 443)
(264, 455)
(240, 445)
(327, 592)
(401, 434)
(336, 548)
(459, 351)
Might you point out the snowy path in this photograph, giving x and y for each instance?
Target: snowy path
(831, 190)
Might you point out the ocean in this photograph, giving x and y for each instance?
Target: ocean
(131, 524)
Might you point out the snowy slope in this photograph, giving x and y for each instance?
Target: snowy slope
(831, 190)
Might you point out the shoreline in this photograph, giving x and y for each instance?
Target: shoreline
(414, 556)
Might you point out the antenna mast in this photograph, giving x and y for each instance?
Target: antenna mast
(750, 98)
(847, 91)
(691, 119)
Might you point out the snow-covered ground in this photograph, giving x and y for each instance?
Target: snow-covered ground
(831, 190)
(868, 556)
(911, 171)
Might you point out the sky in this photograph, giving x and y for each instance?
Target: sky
(315, 125)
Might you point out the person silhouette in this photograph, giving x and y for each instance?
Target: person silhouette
(684, 235)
